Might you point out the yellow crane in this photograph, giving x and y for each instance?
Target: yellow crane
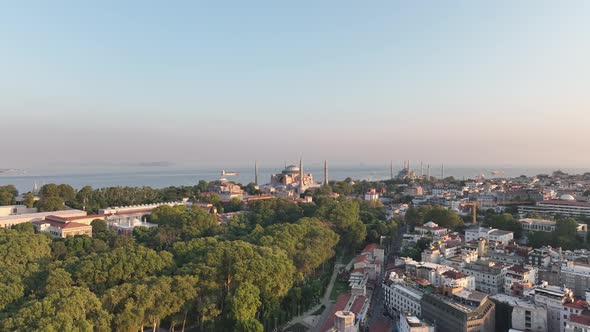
(474, 206)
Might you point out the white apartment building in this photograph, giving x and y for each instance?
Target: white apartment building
(566, 206)
(553, 298)
(526, 315)
(400, 297)
(490, 234)
(576, 276)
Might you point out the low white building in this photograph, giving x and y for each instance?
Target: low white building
(431, 229)
(371, 195)
(537, 225)
(518, 274)
(490, 234)
(15, 219)
(9, 210)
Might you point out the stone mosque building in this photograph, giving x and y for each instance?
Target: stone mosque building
(293, 177)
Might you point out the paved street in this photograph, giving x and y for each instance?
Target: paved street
(325, 301)
(376, 316)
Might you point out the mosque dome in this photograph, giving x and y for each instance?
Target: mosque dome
(291, 169)
(567, 197)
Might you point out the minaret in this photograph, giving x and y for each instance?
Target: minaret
(325, 172)
(428, 171)
(391, 169)
(421, 170)
(301, 175)
(442, 171)
(256, 172)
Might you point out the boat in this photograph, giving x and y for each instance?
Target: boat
(224, 173)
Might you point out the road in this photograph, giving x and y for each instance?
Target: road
(377, 307)
(377, 300)
(325, 301)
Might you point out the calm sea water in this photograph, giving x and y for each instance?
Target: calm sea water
(163, 177)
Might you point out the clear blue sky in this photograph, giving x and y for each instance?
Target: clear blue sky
(210, 83)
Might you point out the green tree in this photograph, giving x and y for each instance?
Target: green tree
(26, 227)
(344, 216)
(234, 204)
(104, 270)
(245, 302)
(444, 217)
(29, 200)
(69, 309)
(149, 301)
(99, 227)
(51, 203)
(309, 243)
(6, 198)
(272, 211)
(503, 221)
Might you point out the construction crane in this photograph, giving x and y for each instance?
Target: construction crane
(474, 206)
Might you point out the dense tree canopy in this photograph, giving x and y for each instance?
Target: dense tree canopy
(309, 242)
(503, 221)
(190, 270)
(438, 214)
(104, 270)
(69, 309)
(272, 211)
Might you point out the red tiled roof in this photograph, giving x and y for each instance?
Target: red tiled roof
(518, 269)
(340, 304)
(584, 320)
(370, 248)
(577, 304)
(59, 224)
(361, 258)
(357, 271)
(358, 303)
(66, 219)
(453, 274)
(74, 225)
(423, 282)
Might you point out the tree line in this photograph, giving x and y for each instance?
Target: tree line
(191, 271)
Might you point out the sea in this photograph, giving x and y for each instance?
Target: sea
(160, 177)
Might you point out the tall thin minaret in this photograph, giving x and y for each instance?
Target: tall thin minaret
(391, 169)
(428, 171)
(421, 170)
(442, 171)
(301, 175)
(325, 172)
(256, 172)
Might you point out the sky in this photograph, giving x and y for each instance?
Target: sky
(208, 83)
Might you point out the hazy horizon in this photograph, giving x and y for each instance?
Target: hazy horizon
(472, 84)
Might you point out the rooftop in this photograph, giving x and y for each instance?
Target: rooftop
(564, 203)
